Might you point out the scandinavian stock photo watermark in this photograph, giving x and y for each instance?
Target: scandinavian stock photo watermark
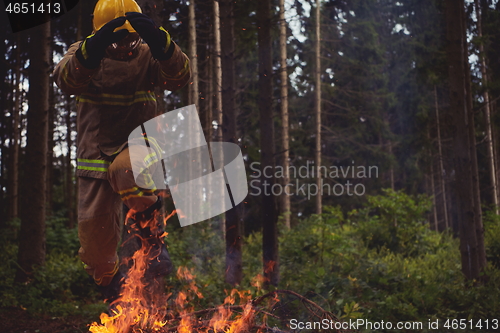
(334, 181)
(170, 150)
(206, 180)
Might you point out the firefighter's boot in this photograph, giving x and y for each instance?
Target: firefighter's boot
(149, 226)
(112, 291)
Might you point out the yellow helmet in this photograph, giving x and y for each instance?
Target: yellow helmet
(107, 10)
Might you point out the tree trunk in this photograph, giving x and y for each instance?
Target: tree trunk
(478, 214)
(218, 92)
(193, 57)
(3, 126)
(285, 199)
(13, 188)
(462, 141)
(269, 209)
(391, 169)
(234, 272)
(487, 114)
(218, 72)
(193, 91)
(209, 74)
(494, 143)
(441, 167)
(317, 113)
(32, 241)
(432, 190)
(50, 139)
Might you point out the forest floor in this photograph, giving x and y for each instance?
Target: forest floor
(17, 320)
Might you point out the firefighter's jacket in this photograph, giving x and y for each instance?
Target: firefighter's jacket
(114, 99)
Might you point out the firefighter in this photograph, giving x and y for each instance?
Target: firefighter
(113, 73)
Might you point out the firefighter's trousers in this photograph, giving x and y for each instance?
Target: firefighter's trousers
(99, 216)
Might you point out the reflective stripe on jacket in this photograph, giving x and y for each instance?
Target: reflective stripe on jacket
(114, 99)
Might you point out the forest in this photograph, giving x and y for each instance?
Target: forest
(370, 134)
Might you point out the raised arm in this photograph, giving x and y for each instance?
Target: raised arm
(82, 60)
(174, 73)
(170, 65)
(70, 75)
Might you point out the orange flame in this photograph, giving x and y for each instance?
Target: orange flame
(143, 304)
(140, 305)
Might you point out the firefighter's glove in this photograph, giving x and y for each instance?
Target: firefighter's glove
(158, 39)
(93, 48)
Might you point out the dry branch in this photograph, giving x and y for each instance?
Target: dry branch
(202, 324)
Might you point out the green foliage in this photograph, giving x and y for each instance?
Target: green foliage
(491, 223)
(61, 238)
(411, 274)
(396, 221)
(60, 287)
(356, 265)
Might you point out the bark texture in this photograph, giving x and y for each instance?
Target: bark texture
(285, 199)
(317, 111)
(269, 209)
(487, 113)
(234, 272)
(13, 188)
(193, 57)
(441, 167)
(463, 148)
(32, 235)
